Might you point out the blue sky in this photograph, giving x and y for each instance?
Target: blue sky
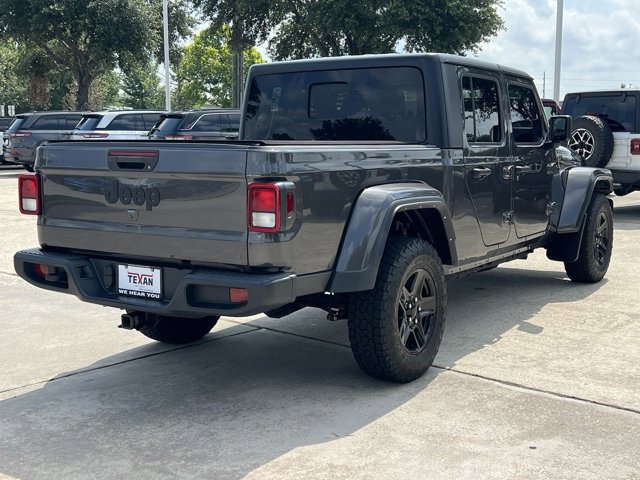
(601, 43)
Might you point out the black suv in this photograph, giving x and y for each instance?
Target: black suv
(209, 124)
(29, 130)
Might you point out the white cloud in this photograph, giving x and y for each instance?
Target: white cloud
(599, 44)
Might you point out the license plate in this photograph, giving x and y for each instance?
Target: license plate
(140, 281)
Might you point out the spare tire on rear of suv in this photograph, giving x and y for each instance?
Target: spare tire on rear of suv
(592, 139)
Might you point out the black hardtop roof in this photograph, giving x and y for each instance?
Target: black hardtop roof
(368, 61)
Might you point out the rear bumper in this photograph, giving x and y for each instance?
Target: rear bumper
(186, 292)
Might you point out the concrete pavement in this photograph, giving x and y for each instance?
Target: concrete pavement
(536, 378)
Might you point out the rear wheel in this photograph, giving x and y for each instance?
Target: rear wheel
(396, 328)
(176, 330)
(597, 242)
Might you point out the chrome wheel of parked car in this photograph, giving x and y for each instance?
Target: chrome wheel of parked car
(582, 142)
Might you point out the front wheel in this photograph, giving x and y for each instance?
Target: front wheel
(396, 329)
(176, 330)
(597, 242)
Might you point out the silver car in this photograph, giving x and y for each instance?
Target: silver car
(116, 125)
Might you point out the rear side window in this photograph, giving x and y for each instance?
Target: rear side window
(619, 109)
(234, 122)
(482, 123)
(208, 123)
(71, 121)
(46, 122)
(526, 118)
(357, 104)
(150, 119)
(128, 122)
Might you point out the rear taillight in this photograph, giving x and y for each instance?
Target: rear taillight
(178, 137)
(29, 194)
(95, 135)
(20, 133)
(635, 146)
(264, 207)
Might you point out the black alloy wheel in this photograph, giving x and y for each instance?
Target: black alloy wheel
(416, 310)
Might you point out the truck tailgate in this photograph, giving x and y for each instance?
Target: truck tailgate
(182, 201)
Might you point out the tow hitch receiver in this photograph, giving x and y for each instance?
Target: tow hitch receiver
(131, 321)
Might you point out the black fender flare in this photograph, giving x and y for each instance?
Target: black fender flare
(573, 189)
(370, 221)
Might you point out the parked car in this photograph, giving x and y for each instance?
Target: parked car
(29, 130)
(551, 107)
(205, 124)
(606, 132)
(116, 125)
(4, 124)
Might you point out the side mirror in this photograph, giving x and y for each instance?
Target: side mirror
(559, 128)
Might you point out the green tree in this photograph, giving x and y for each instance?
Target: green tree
(141, 86)
(205, 75)
(250, 21)
(88, 38)
(12, 84)
(356, 27)
(105, 91)
(303, 28)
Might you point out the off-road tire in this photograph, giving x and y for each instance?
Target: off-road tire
(596, 245)
(376, 316)
(592, 138)
(176, 330)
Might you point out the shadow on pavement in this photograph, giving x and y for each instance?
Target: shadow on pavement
(216, 410)
(626, 217)
(224, 407)
(486, 305)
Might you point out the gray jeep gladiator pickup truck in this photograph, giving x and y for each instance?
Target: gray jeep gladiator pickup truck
(357, 185)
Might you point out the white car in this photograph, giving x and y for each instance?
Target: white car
(606, 133)
(116, 125)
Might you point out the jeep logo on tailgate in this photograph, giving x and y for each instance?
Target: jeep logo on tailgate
(140, 195)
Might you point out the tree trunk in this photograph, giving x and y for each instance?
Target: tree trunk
(82, 94)
(237, 77)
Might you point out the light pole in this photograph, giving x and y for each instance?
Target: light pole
(167, 79)
(556, 74)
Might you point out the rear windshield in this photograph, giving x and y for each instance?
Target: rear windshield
(619, 110)
(89, 123)
(167, 125)
(17, 124)
(358, 104)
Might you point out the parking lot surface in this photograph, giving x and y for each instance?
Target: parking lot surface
(537, 377)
